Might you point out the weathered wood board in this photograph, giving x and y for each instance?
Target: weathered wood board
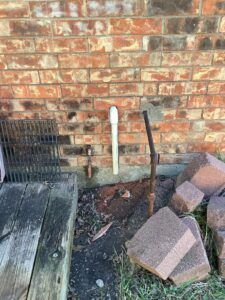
(21, 245)
(52, 265)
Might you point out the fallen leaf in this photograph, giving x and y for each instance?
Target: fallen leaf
(126, 194)
(101, 232)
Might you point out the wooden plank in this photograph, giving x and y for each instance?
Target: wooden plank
(11, 195)
(17, 263)
(51, 271)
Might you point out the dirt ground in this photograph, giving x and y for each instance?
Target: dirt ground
(124, 204)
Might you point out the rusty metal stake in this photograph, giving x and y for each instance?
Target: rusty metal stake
(89, 154)
(154, 161)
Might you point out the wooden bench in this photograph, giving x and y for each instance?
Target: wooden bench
(36, 234)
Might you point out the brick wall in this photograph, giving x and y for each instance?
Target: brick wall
(71, 60)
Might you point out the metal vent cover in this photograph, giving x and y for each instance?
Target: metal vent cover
(30, 150)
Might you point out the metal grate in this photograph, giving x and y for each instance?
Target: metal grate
(30, 150)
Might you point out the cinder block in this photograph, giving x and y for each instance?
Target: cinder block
(206, 172)
(161, 243)
(195, 265)
(216, 213)
(186, 198)
(220, 243)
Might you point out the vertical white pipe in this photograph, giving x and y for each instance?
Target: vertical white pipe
(113, 113)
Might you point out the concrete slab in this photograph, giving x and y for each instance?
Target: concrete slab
(186, 198)
(161, 243)
(216, 213)
(220, 243)
(206, 172)
(195, 265)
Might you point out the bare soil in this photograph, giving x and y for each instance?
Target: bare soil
(125, 204)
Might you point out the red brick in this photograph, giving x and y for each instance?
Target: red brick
(5, 92)
(134, 160)
(135, 59)
(86, 139)
(64, 76)
(171, 126)
(174, 137)
(127, 43)
(114, 75)
(122, 127)
(57, 9)
(210, 73)
(216, 137)
(186, 58)
(191, 114)
(5, 105)
(219, 58)
(182, 88)
(84, 90)
(211, 7)
(83, 60)
(216, 88)
(137, 127)
(100, 44)
(206, 101)
(214, 113)
(126, 89)
(30, 27)
(10, 9)
(3, 63)
(36, 91)
(222, 25)
(16, 45)
(103, 8)
(19, 77)
(150, 89)
(4, 28)
(61, 45)
(216, 213)
(135, 26)
(26, 105)
(133, 138)
(82, 27)
(32, 61)
(121, 103)
(75, 103)
(165, 74)
(202, 147)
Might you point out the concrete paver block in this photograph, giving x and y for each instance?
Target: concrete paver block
(220, 192)
(221, 266)
(220, 243)
(216, 213)
(161, 243)
(195, 265)
(206, 172)
(186, 198)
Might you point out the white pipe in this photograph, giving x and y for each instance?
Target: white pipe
(113, 113)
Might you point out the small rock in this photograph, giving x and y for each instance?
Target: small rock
(100, 283)
(126, 194)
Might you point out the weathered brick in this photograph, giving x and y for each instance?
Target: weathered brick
(212, 7)
(100, 8)
(100, 44)
(164, 102)
(191, 25)
(36, 91)
(216, 137)
(132, 160)
(61, 45)
(222, 25)
(219, 58)
(8, 45)
(26, 105)
(115, 75)
(174, 137)
(172, 7)
(150, 89)
(213, 113)
(5, 92)
(186, 198)
(202, 147)
(186, 58)
(206, 172)
(195, 265)
(82, 27)
(10, 9)
(121, 103)
(3, 63)
(127, 43)
(190, 114)
(30, 27)
(216, 213)
(150, 248)
(176, 126)
(182, 88)
(83, 60)
(135, 59)
(135, 26)
(210, 73)
(178, 43)
(57, 9)
(64, 76)
(126, 89)
(32, 61)
(84, 90)
(19, 77)
(165, 74)
(4, 28)
(216, 88)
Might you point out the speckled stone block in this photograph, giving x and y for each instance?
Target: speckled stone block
(205, 172)
(186, 198)
(216, 213)
(195, 265)
(161, 243)
(220, 243)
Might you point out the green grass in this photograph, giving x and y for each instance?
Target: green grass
(137, 284)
